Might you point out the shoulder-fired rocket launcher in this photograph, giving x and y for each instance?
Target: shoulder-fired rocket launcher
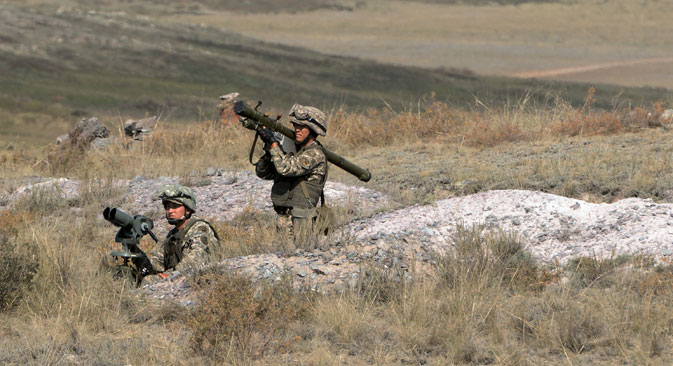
(244, 110)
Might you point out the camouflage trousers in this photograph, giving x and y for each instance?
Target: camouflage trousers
(294, 229)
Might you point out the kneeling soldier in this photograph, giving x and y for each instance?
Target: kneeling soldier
(187, 244)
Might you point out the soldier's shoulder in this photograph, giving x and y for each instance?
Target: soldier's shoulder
(315, 151)
(200, 226)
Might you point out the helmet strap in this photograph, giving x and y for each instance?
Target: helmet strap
(178, 222)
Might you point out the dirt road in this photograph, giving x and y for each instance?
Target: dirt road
(551, 73)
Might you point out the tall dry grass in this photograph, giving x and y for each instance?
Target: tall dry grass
(487, 302)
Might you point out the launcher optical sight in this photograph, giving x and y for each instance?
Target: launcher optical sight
(132, 229)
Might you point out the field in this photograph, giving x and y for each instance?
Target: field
(425, 133)
(610, 38)
(63, 61)
(62, 309)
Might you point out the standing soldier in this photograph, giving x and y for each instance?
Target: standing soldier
(187, 244)
(298, 178)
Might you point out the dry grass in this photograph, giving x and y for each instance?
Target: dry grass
(487, 303)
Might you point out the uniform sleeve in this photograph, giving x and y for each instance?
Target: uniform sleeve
(302, 163)
(156, 256)
(264, 168)
(196, 252)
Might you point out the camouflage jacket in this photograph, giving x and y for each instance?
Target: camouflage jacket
(185, 250)
(310, 163)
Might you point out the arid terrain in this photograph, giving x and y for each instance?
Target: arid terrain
(508, 220)
(616, 42)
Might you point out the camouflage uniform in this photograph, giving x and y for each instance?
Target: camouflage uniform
(185, 250)
(299, 178)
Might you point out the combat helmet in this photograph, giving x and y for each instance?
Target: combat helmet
(311, 117)
(178, 194)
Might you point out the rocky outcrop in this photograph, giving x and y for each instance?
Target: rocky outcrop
(138, 130)
(88, 134)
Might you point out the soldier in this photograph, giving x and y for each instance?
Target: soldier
(298, 178)
(187, 244)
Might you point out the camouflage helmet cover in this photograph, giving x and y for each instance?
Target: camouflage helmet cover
(178, 194)
(311, 117)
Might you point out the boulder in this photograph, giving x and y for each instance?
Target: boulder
(86, 133)
(62, 139)
(139, 129)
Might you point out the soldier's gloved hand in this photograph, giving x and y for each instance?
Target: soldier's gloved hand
(267, 136)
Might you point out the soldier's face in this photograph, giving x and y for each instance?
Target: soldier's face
(174, 211)
(301, 132)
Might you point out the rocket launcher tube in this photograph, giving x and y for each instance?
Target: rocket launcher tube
(243, 110)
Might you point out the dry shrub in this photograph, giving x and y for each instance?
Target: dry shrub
(374, 127)
(590, 123)
(18, 263)
(239, 319)
(345, 320)
(655, 283)
(486, 134)
(595, 272)
(17, 270)
(382, 284)
(483, 259)
(41, 202)
(585, 121)
(250, 232)
(558, 320)
(576, 326)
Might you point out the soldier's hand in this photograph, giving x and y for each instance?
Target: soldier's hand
(267, 136)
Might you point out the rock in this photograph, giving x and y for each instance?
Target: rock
(62, 139)
(139, 129)
(666, 116)
(138, 178)
(101, 143)
(427, 231)
(211, 172)
(85, 133)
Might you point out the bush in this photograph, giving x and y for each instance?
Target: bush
(239, 319)
(18, 264)
(382, 285)
(592, 272)
(490, 259)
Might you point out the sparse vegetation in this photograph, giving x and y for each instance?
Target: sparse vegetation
(486, 302)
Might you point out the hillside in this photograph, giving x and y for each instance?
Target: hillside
(67, 62)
